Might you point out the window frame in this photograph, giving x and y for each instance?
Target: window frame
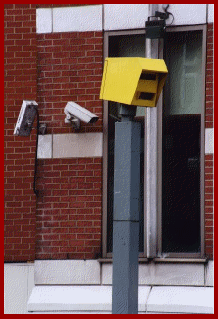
(143, 256)
(180, 255)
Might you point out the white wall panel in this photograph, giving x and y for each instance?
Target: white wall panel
(125, 16)
(209, 141)
(78, 298)
(44, 146)
(186, 14)
(18, 284)
(163, 274)
(67, 272)
(116, 17)
(43, 20)
(181, 300)
(133, 16)
(77, 145)
(209, 274)
(71, 19)
(210, 13)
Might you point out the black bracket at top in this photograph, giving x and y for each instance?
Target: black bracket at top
(156, 28)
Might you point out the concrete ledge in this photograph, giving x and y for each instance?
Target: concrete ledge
(77, 145)
(172, 274)
(56, 298)
(84, 298)
(70, 312)
(95, 298)
(71, 145)
(67, 272)
(44, 146)
(18, 284)
(209, 274)
(91, 272)
(195, 300)
(163, 274)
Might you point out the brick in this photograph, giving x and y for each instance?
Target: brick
(208, 163)
(208, 196)
(17, 73)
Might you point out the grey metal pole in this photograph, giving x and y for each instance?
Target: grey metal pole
(126, 213)
(150, 173)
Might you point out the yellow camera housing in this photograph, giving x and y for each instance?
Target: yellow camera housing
(133, 81)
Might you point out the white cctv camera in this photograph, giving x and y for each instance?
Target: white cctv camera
(75, 114)
(26, 118)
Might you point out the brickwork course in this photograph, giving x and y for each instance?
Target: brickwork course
(19, 84)
(209, 158)
(65, 222)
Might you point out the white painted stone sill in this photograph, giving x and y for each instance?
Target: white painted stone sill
(162, 260)
(72, 145)
(193, 300)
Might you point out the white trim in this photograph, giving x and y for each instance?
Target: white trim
(209, 274)
(67, 272)
(125, 16)
(72, 145)
(54, 298)
(116, 17)
(69, 19)
(99, 298)
(210, 13)
(91, 272)
(44, 146)
(209, 141)
(195, 300)
(164, 274)
(77, 145)
(77, 19)
(43, 20)
(19, 286)
(186, 14)
(133, 16)
(85, 298)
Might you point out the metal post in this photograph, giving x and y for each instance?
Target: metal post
(150, 173)
(126, 213)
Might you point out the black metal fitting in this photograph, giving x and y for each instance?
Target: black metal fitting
(155, 28)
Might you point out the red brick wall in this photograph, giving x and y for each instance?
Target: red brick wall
(209, 204)
(209, 79)
(69, 212)
(69, 209)
(69, 69)
(19, 84)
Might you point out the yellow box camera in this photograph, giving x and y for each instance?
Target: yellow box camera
(133, 81)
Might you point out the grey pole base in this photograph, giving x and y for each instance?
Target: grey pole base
(125, 268)
(126, 217)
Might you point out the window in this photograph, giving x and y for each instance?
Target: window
(181, 215)
(180, 126)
